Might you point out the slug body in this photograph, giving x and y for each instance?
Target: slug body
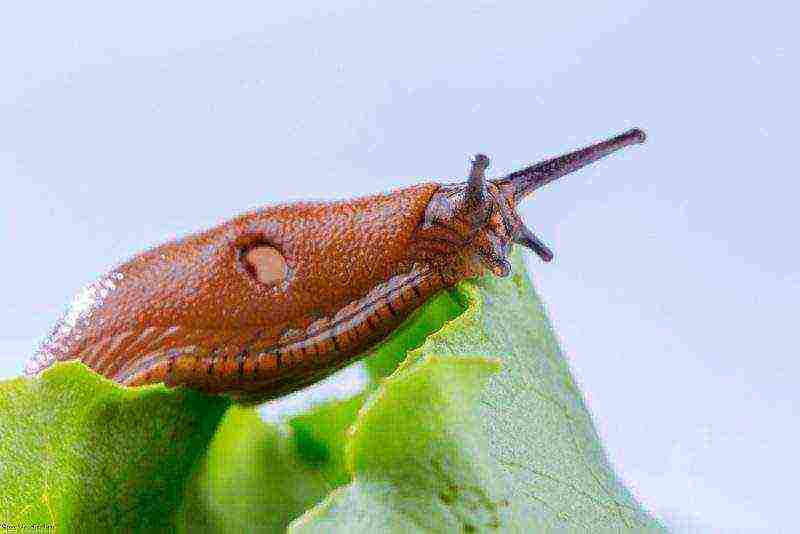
(281, 297)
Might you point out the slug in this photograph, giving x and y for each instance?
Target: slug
(283, 296)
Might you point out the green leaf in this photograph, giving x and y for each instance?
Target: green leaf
(253, 479)
(81, 453)
(428, 319)
(481, 427)
(433, 450)
(409, 474)
(321, 434)
(258, 477)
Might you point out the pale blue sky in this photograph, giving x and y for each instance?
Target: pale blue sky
(676, 284)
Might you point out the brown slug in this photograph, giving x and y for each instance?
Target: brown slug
(275, 299)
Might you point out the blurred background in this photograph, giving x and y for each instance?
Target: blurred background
(676, 284)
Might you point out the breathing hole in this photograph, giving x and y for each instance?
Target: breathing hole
(265, 263)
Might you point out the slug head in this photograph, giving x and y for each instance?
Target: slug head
(479, 216)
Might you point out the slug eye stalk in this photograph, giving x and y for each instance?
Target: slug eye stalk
(476, 200)
(513, 188)
(523, 182)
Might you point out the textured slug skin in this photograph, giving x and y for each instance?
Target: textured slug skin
(189, 312)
